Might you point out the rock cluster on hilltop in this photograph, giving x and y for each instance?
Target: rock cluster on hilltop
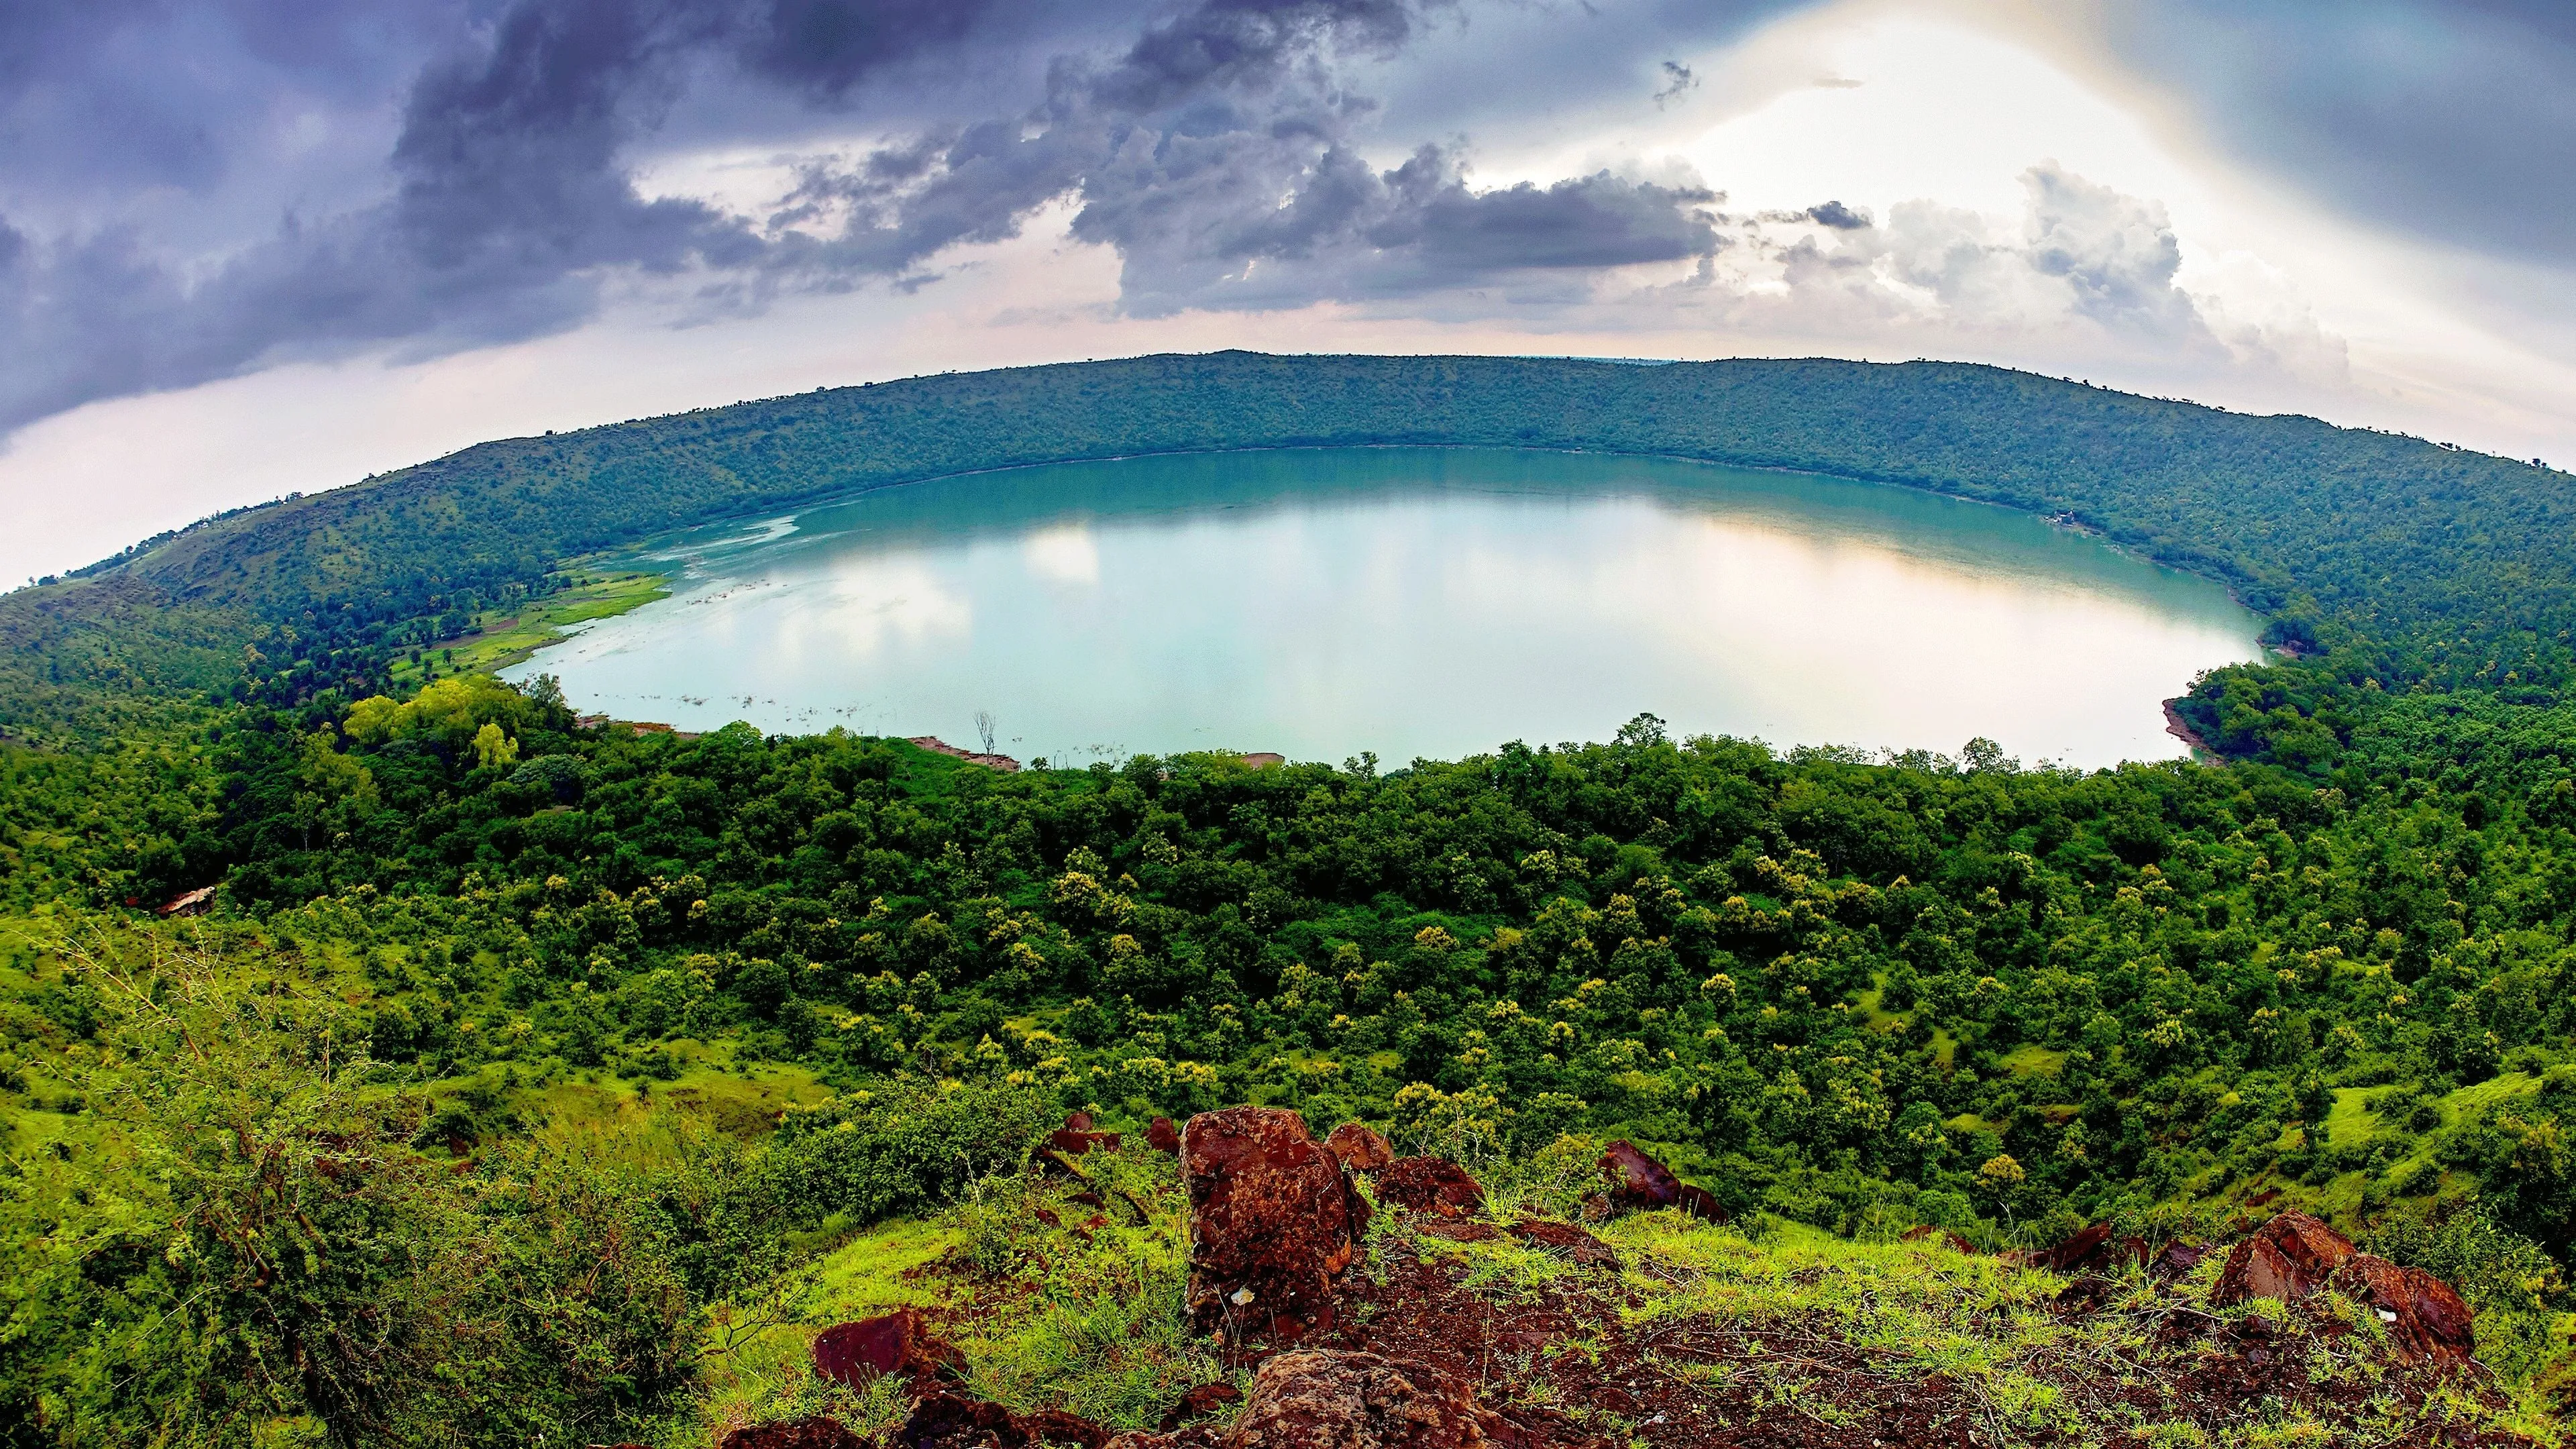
(2294, 1256)
(1420, 1361)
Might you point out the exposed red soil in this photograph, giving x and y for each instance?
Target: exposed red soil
(938, 746)
(1564, 1369)
(1555, 1366)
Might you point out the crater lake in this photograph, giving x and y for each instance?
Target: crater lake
(1409, 602)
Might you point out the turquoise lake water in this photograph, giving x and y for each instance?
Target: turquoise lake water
(1411, 603)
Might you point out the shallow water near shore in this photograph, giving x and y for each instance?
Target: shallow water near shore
(1410, 603)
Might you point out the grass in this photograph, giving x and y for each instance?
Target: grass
(2349, 1122)
(2034, 1061)
(743, 1101)
(499, 640)
(1781, 1320)
(1917, 1311)
(1083, 1315)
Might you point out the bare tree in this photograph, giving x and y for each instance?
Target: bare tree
(984, 727)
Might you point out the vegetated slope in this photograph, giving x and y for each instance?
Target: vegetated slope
(336, 1262)
(1650, 1329)
(2413, 561)
(1956, 992)
(1849, 994)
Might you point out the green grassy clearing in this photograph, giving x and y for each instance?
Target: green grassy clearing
(500, 639)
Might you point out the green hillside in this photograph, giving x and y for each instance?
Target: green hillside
(482, 1062)
(2407, 563)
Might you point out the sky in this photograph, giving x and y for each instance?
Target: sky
(251, 247)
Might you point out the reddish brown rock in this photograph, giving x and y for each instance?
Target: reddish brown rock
(815, 1433)
(1640, 1183)
(2088, 1293)
(1943, 1236)
(1586, 1250)
(2287, 1259)
(1201, 1402)
(1163, 1137)
(2176, 1260)
(1319, 1399)
(1700, 1203)
(1458, 1230)
(1075, 1137)
(1361, 1148)
(2426, 1318)
(1430, 1185)
(1055, 1426)
(942, 1420)
(2088, 1249)
(1272, 1220)
(893, 1343)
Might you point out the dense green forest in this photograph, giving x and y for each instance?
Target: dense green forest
(311, 1158)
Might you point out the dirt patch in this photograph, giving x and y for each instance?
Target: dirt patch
(2180, 728)
(1565, 1368)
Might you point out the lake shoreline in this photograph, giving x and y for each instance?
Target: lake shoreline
(1142, 599)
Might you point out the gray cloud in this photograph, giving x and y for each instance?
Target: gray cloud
(2411, 114)
(1678, 82)
(1217, 148)
(1219, 156)
(2087, 280)
(2117, 254)
(502, 202)
(1347, 231)
(195, 188)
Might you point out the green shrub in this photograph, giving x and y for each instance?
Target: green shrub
(905, 1146)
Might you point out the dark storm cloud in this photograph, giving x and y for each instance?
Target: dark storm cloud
(1233, 44)
(1202, 142)
(822, 48)
(1679, 81)
(498, 199)
(1194, 233)
(190, 189)
(1218, 156)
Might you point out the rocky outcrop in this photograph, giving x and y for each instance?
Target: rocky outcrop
(1076, 1136)
(1202, 1402)
(1584, 1249)
(2287, 1259)
(1361, 1148)
(814, 1433)
(1639, 1183)
(1942, 1236)
(1163, 1137)
(952, 1421)
(1272, 1219)
(2426, 1319)
(1430, 1185)
(2294, 1255)
(2177, 1260)
(1338, 1400)
(2088, 1250)
(898, 1343)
